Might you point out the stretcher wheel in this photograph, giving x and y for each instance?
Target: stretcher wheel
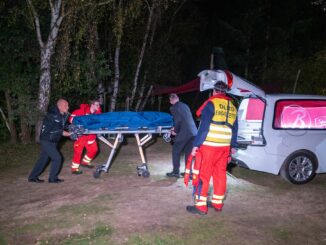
(145, 174)
(167, 137)
(97, 172)
(142, 170)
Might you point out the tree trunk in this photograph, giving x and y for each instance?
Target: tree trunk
(140, 98)
(44, 89)
(12, 127)
(25, 134)
(142, 52)
(47, 49)
(146, 98)
(116, 78)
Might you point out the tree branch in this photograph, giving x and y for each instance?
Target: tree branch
(86, 5)
(52, 13)
(104, 3)
(5, 119)
(37, 23)
(173, 18)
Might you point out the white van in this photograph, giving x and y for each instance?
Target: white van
(279, 133)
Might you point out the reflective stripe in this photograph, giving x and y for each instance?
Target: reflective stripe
(91, 142)
(201, 198)
(194, 171)
(187, 171)
(86, 157)
(74, 165)
(215, 144)
(219, 136)
(72, 116)
(221, 141)
(201, 204)
(217, 201)
(218, 197)
(220, 128)
(86, 160)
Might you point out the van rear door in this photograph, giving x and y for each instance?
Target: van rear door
(243, 88)
(238, 86)
(250, 122)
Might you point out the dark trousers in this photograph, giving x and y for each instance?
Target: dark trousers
(48, 150)
(177, 149)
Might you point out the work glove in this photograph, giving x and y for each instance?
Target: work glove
(195, 180)
(74, 136)
(186, 179)
(75, 131)
(196, 167)
(187, 172)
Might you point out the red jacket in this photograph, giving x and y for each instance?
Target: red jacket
(84, 110)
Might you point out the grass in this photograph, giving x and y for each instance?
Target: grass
(80, 216)
(18, 155)
(82, 223)
(154, 239)
(2, 240)
(100, 235)
(282, 234)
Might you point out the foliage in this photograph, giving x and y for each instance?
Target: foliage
(4, 133)
(18, 63)
(266, 41)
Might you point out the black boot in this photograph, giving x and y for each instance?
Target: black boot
(194, 210)
(173, 174)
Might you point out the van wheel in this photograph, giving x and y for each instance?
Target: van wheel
(299, 168)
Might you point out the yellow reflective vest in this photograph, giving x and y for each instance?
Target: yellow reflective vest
(220, 128)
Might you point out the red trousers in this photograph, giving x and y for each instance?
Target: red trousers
(214, 163)
(88, 142)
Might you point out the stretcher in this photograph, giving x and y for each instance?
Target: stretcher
(143, 125)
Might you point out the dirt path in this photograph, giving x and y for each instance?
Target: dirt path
(261, 209)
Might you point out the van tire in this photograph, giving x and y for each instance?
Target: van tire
(300, 167)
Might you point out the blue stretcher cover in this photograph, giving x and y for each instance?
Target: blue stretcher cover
(125, 119)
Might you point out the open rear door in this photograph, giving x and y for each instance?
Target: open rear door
(250, 122)
(238, 86)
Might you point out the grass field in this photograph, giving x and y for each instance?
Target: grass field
(122, 208)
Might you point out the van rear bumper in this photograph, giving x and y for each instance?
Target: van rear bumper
(256, 158)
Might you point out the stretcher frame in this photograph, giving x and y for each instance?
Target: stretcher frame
(119, 133)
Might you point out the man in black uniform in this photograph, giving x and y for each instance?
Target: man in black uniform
(184, 130)
(52, 130)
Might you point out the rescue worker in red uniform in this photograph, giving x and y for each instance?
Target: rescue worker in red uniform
(212, 147)
(87, 141)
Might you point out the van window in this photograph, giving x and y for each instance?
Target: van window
(300, 114)
(250, 118)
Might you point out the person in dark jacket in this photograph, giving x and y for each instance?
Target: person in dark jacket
(51, 132)
(184, 130)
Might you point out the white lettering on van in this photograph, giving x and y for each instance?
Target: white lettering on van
(295, 117)
(320, 122)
